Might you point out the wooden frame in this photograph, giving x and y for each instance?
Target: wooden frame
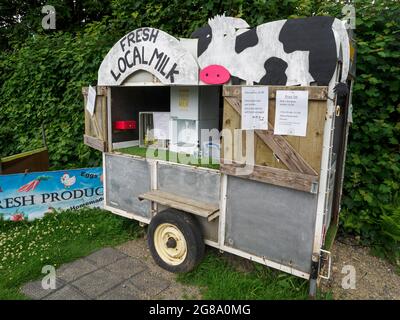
(276, 176)
(288, 161)
(96, 126)
(171, 200)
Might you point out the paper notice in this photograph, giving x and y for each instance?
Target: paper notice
(161, 125)
(183, 99)
(254, 108)
(91, 100)
(291, 113)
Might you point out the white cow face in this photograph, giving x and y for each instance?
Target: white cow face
(215, 61)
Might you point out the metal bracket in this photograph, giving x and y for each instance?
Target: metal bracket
(326, 256)
(314, 188)
(337, 111)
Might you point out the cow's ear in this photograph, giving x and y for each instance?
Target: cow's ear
(237, 23)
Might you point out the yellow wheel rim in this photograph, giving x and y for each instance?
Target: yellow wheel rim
(170, 244)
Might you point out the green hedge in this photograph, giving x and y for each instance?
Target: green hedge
(42, 76)
(371, 202)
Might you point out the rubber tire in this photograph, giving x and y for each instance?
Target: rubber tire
(190, 229)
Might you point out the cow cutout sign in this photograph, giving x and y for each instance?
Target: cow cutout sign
(289, 52)
(285, 52)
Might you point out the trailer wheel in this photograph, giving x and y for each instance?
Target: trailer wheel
(175, 241)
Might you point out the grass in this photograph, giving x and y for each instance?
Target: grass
(330, 236)
(218, 279)
(171, 156)
(25, 247)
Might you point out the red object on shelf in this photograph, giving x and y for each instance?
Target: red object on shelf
(125, 125)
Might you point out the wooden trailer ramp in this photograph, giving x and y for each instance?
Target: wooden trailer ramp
(202, 209)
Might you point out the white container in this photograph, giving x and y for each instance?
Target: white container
(192, 109)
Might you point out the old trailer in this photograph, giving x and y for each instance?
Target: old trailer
(235, 138)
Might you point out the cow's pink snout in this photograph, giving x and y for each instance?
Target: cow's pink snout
(214, 74)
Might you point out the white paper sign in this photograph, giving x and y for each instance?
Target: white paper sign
(91, 100)
(161, 125)
(254, 108)
(291, 113)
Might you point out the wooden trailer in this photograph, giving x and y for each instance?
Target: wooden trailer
(266, 183)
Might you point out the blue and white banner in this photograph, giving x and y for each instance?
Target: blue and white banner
(32, 195)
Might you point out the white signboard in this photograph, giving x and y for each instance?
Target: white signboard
(161, 125)
(151, 50)
(254, 108)
(291, 113)
(91, 100)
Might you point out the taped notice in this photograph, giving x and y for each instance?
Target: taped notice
(291, 113)
(254, 108)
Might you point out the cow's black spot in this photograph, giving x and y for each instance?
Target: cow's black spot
(274, 72)
(315, 35)
(341, 89)
(204, 34)
(246, 40)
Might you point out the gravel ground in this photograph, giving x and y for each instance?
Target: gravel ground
(375, 278)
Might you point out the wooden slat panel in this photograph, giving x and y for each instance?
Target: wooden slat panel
(101, 91)
(95, 143)
(96, 125)
(171, 200)
(314, 93)
(275, 176)
(278, 144)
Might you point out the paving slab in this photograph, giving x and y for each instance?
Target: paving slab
(96, 283)
(105, 256)
(35, 291)
(138, 249)
(126, 267)
(74, 270)
(124, 273)
(123, 291)
(66, 293)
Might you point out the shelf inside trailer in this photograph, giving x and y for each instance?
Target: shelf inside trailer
(171, 200)
(171, 156)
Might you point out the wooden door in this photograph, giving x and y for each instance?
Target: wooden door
(96, 128)
(289, 161)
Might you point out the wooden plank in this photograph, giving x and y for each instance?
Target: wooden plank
(278, 144)
(95, 143)
(171, 200)
(275, 176)
(285, 152)
(100, 90)
(314, 92)
(310, 147)
(31, 161)
(96, 124)
(103, 111)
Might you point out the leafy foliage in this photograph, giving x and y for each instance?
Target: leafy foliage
(42, 73)
(42, 83)
(371, 201)
(20, 18)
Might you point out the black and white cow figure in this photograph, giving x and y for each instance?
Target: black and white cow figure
(285, 52)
